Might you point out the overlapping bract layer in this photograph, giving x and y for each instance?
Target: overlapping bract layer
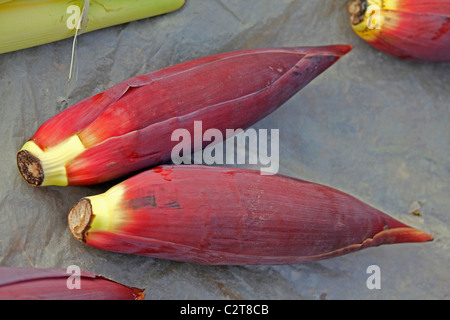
(52, 284)
(411, 30)
(220, 215)
(128, 127)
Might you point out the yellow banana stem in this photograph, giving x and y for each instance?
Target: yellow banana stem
(29, 23)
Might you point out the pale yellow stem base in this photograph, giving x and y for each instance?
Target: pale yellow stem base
(106, 209)
(53, 161)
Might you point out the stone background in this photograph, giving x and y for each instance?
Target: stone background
(373, 126)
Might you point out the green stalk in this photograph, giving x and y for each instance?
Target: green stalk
(29, 23)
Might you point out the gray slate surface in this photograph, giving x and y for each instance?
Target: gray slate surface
(373, 126)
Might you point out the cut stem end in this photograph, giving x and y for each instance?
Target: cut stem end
(357, 10)
(80, 218)
(30, 168)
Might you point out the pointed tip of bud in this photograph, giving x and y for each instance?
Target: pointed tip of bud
(342, 49)
(415, 235)
(30, 168)
(402, 235)
(338, 50)
(138, 293)
(80, 218)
